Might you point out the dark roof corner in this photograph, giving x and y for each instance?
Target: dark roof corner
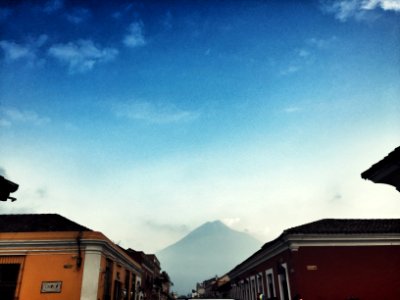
(385, 171)
(6, 188)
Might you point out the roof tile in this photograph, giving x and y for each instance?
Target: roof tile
(347, 226)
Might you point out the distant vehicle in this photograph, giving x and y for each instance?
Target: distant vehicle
(211, 299)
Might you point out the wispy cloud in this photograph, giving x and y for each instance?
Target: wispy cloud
(342, 9)
(170, 228)
(5, 13)
(358, 9)
(321, 43)
(135, 36)
(303, 52)
(41, 192)
(160, 113)
(4, 122)
(14, 51)
(291, 69)
(52, 6)
(78, 15)
(17, 51)
(17, 210)
(306, 54)
(11, 116)
(81, 56)
(292, 109)
(123, 11)
(167, 22)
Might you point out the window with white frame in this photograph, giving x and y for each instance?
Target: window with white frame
(269, 274)
(245, 289)
(248, 289)
(283, 277)
(253, 288)
(260, 284)
(242, 290)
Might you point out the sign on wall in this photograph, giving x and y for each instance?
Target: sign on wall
(51, 287)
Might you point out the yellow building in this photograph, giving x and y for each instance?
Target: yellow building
(46, 256)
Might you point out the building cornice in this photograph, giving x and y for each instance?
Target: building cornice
(342, 240)
(98, 244)
(293, 242)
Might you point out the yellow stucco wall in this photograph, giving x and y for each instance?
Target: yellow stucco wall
(42, 267)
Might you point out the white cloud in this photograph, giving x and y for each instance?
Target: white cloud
(40, 41)
(303, 53)
(167, 22)
(82, 55)
(343, 9)
(123, 11)
(11, 116)
(231, 222)
(153, 113)
(291, 109)
(15, 51)
(321, 43)
(135, 36)
(358, 9)
(383, 4)
(290, 70)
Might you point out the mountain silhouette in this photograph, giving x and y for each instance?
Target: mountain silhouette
(211, 249)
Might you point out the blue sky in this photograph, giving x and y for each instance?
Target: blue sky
(145, 119)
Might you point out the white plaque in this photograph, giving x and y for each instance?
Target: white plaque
(51, 287)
